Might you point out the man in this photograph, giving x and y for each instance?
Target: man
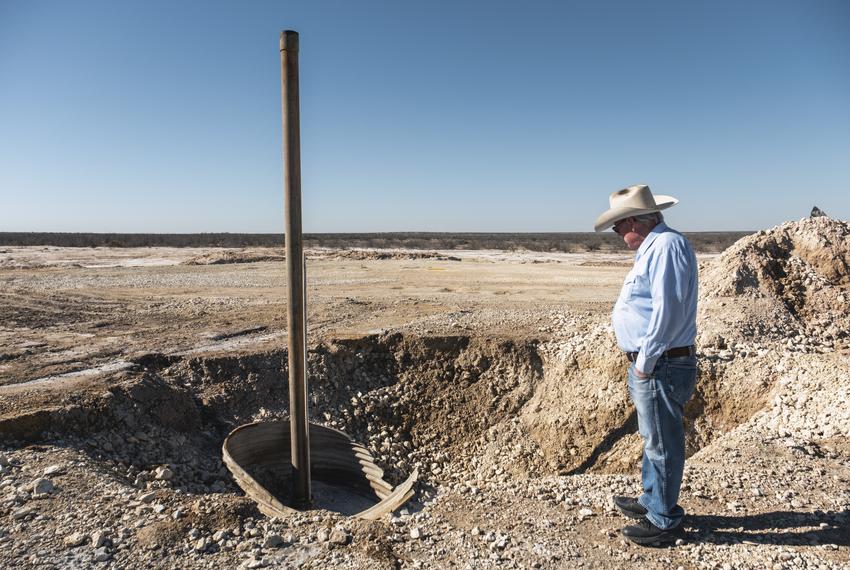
(655, 323)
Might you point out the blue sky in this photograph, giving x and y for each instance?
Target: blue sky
(155, 116)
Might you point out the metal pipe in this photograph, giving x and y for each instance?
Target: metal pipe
(296, 305)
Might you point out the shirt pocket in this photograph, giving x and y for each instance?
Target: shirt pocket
(628, 286)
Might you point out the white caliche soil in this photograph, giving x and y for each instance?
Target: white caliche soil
(495, 374)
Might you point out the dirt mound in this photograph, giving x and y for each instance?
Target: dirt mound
(277, 254)
(236, 256)
(791, 277)
(812, 252)
(385, 254)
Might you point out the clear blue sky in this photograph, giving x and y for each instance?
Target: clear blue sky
(157, 116)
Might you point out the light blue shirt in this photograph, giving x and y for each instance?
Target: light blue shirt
(657, 307)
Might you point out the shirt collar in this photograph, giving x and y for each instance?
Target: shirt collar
(659, 228)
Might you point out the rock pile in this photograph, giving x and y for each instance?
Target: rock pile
(790, 280)
(257, 255)
(236, 256)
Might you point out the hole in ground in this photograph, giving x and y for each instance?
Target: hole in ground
(459, 409)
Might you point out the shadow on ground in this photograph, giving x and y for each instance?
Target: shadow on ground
(772, 528)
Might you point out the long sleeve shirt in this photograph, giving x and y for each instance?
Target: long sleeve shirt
(657, 306)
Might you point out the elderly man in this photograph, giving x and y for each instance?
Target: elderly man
(655, 323)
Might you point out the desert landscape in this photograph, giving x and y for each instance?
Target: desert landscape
(493, 372)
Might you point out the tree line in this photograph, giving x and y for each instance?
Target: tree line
(572, 242)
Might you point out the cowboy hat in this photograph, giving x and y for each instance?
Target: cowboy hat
(632, 201)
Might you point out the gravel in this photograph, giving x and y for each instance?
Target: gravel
(520, 446)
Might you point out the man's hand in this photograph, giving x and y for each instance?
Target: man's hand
(640, 374)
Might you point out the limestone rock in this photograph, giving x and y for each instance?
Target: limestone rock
(339, 536)
(99, 538)
(102, 554)
(163, 474)
(75, 539)
(42, 487)
(53, 470)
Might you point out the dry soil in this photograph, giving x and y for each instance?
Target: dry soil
(495, 374)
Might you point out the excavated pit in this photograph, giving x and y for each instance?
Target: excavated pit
(449, 407)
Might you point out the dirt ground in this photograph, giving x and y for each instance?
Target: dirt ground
(66, 309)
(494, 374)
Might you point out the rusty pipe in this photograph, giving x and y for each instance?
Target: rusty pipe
(296, 302)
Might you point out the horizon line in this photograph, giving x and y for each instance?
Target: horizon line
(408, 232)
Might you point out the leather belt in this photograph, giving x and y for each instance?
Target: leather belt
(672, 353)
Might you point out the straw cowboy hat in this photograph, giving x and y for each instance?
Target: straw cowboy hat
(632, 201)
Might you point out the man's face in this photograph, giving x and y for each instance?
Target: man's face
(629, 230)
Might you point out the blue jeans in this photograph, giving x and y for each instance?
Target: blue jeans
(660, 403)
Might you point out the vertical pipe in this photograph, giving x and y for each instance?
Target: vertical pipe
(299, 431)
